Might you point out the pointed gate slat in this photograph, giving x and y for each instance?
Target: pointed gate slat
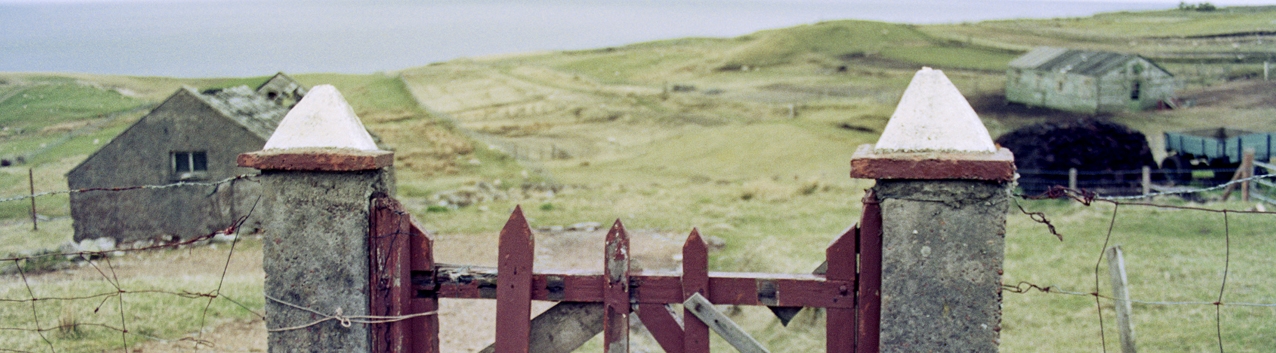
(514, 285)
(616, 292)
(695, 279)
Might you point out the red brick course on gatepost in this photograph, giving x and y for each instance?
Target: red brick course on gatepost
(869, 164)
(317, 159)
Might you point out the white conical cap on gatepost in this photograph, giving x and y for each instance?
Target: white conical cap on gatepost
(323, 119)
(933, 116)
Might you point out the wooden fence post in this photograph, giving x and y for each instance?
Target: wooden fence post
(1121, 294)
(1245, 170)
(1072, 178)
(35, 224)
(1147, 180)
(1247, 165)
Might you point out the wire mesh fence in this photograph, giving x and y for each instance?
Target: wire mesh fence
(176, 291)
(104, 296)
(1165, 227)
(117, 298)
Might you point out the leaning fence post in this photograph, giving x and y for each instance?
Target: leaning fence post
(320, 171)
(1247, 166)
(1121, 292)
(944, 190)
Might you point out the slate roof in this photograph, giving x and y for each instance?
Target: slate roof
(1081, 62)
(247, 108)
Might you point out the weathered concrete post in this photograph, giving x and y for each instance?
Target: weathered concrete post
(320, 170)
(944, 189)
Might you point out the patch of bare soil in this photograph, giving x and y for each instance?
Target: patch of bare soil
(996, 105)
(1243, 94)
(469, 325)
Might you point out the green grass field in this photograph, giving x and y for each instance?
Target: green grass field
(721, 154)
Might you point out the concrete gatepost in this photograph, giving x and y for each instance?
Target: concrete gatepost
(319, 172)
(944, 190)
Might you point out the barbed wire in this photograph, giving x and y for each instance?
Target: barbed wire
(1024, 287)
(100, 261)
(1087, 198)
(156, 187)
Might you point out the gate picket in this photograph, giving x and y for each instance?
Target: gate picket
(514, 286)
(616, 291)
(695, 279)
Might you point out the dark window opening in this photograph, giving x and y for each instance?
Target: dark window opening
(1134, 90)
(190, 165)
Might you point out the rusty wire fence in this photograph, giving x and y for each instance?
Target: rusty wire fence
(34, 306)
(113, 297)
(1112, 295)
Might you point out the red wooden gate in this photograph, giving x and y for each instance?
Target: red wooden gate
(405, 280)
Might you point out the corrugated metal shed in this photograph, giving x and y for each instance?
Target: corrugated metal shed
(1036, 57)
(1063, 60)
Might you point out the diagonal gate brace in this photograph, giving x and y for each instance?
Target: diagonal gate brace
(732, 333)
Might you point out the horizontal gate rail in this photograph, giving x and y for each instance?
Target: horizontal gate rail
(646, 287)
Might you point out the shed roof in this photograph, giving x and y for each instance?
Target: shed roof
(1081, 62)
(245, 107)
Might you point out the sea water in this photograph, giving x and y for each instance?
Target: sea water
(208, 38)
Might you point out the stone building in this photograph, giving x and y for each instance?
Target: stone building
(1090, 82)
(191, 137)
(283, 90)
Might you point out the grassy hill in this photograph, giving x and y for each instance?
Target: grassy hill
(747, 138)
